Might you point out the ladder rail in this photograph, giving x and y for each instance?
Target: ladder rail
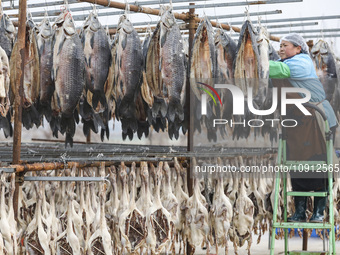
(276, 198)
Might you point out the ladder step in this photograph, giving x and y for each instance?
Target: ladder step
(309, 225)
(306, 194)
(308, 252)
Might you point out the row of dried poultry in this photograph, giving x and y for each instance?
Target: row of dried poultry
(140, 208)
(142, 85)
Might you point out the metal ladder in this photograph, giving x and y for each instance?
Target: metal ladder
(282, 161)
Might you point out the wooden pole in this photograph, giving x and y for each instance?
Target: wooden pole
(22, 168)
(19, 83)
(52, 166)
(305, 239)
(133, 8)
(192, 31)
(88, 138)
(18, 98)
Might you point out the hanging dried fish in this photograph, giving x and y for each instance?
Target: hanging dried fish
(5, 114)
(45, 46)
(69, 74)
(153, 74)
(128, 74)
(326, 70)
(98, 58)
(264, 98)
(173, 72)
(153, 79)
(31, 74)
(225, 57)
(203, 60)
(247, 73)
(203, 69)
(7, 31)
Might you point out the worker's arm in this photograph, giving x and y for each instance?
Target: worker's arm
(278, 70)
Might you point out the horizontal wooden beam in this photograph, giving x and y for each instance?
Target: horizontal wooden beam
(151, 11)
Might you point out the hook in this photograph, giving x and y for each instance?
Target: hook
(217, 21)
(149, 25)
(46, 16)
(46, 5)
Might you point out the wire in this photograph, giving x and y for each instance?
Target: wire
(217, 21)
(205, 2)
(94, 8)
(247, 13)
(66, 4)
(150, 18)
(127, 9)
(231, 30)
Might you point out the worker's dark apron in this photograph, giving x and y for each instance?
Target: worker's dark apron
(305, 142)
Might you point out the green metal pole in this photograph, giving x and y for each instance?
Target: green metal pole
(330, 195)
(276, 199)
(285, 209)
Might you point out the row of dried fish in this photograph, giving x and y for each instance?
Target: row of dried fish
(216, 59)
(65, 75)
(325, 65)
(141, 208)
(140, 85)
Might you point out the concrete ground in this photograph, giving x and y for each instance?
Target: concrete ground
(295, 243)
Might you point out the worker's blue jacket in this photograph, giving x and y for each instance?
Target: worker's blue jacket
(302, 74)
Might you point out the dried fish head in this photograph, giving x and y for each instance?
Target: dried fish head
(7, 24)
(68, 25)
(167, 18)
(92, 22)
(61, 18)
(6, 34)
(45, 28)
(125, 24)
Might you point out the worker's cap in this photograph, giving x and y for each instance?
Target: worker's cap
(296, 40)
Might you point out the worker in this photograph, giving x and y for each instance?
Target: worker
(296, 64)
